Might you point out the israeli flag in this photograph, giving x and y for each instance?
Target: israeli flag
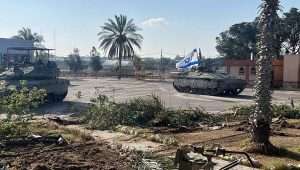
(190, 61)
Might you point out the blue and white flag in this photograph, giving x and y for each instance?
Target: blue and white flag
(189, 62)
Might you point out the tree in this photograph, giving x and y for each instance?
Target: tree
(119, 38)
(238, 42)
(262, 117)
(137, 63)
(95, 62)
(94, 52)
(26, 34)
(74, 61)
(291, 31)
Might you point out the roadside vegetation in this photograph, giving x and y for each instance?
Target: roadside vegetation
(278, 110)
(17, 104)
(142, 112)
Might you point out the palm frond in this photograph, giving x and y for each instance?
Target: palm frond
(119, 37)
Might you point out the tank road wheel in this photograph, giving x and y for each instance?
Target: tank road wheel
(213, 92)
(235, 92)
(194, 91)
(187, 89)
(239, 91)
(227, 92)
(179, 89)
(53, 98)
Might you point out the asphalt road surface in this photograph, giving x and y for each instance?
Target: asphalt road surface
(122, 90)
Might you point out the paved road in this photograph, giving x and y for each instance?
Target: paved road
(122, 90)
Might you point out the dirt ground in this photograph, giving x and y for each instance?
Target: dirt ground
(81, 152)
(78, 156)
(234, 140)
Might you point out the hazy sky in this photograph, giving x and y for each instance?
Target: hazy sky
(173, 25)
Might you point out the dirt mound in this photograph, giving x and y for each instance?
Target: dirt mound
(71, 157)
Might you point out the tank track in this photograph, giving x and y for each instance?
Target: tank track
(211, 92)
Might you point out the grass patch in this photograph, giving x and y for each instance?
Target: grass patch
(282, 166)
(147, 134)
(245, 143)
(71, 135)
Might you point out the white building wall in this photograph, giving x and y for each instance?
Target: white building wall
(7, 43)
(291, 71)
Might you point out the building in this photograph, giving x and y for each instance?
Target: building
(291, 75)
(6, 43)
(246, 70)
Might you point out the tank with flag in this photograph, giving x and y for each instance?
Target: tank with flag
(193, 79)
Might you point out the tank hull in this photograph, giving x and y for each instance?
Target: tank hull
(57, 89)
(209, 86)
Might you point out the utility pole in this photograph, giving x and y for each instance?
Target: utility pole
(160, 68)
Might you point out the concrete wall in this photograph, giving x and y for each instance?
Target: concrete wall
(248, 75)
(291, 71)
(277, 66)
(233, 67)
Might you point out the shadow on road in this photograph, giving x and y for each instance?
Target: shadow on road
(243, 97)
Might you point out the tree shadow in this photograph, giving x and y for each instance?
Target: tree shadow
(247, 97)
(76, 79)
(285, 153)
(244, 97)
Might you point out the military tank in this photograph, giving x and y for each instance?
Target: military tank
(206, 83)
(36, 70)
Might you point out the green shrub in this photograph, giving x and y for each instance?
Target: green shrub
(13, 128)
(143, 112)
(21, 101)
(145, 109)
(278, 110)
(17, 104)
(286, 111)
(243, 111)
(178, 118)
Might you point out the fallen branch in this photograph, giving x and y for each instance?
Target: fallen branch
(64, 122)
(34, 139)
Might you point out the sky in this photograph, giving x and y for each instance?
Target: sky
(175, 26)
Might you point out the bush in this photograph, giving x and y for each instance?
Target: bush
(178, 118)
(95, 64)
(278, 110)
(17, 104)
(143, 112)
(145, 109)
(13, 128)
(286, 111)
(20, 101)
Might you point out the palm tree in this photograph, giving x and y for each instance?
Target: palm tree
(119, 38)
(262, 117)
(26, 34)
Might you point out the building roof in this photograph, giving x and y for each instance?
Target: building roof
(29, 48)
